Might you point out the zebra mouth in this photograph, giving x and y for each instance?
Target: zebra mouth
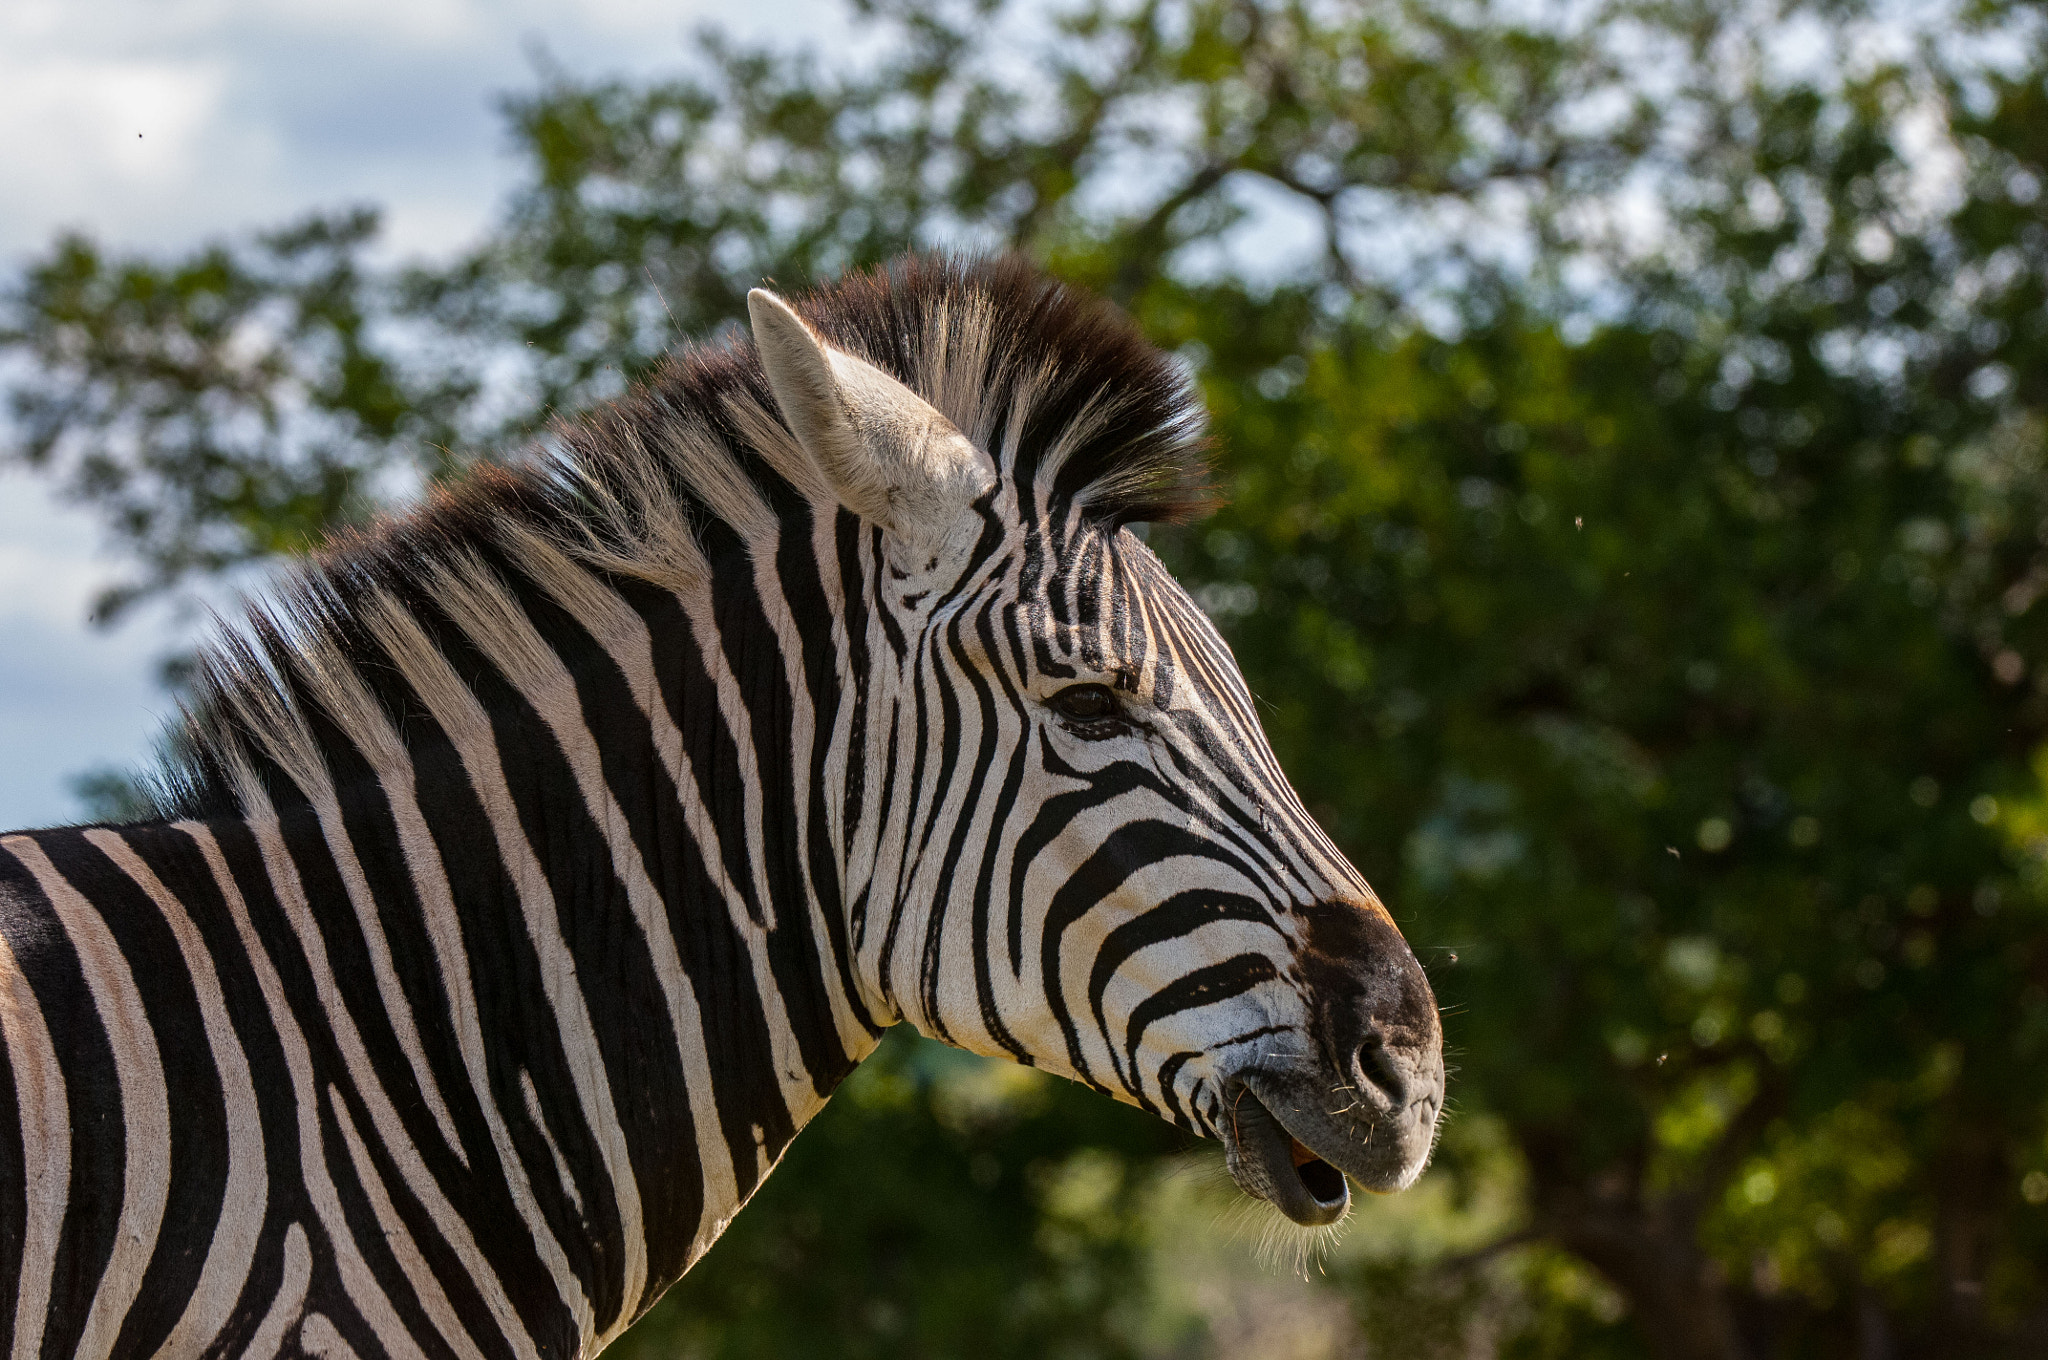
(1271, 1164)
(1322, 1180)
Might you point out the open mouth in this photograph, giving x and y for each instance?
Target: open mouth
(1317, 1176)
(1271, 1163)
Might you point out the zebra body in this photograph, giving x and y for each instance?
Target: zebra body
(534, 871)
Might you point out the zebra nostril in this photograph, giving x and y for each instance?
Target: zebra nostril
(1381, 1078)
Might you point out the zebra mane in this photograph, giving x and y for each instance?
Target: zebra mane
(1078, 409)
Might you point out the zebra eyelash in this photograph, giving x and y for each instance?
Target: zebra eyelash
(1118, 721)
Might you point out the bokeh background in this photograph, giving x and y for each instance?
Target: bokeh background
(1634, 417)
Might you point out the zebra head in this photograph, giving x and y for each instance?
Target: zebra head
(1068, 841)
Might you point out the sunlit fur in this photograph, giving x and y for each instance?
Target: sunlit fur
(535, 866)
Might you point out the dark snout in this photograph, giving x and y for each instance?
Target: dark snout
(1361, 1096)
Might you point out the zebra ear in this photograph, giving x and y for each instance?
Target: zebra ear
(888, 453)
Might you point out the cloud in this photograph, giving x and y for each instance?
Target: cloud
(249, 113)
(44, 577)
(108, 125)
(69, 704)
(89, 139)
(71, 698)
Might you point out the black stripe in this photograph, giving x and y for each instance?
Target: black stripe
(47, 960)
(802, 583)
(920, 737)
(793, 950)
(1204, 987)
(885, 808)
(956, 654)
(1125, 851)
(1053, 818)
(1179, 915)
(999, 818)
(198, 1111)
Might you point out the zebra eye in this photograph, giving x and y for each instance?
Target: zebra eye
(1084, 703)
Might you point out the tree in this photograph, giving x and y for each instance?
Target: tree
(1651, 610)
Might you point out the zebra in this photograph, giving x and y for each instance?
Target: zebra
(531, 868)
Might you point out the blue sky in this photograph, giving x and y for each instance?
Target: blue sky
(154, 124)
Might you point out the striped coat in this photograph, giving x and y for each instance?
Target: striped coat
(531, 869)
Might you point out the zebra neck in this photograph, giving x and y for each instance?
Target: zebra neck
(547, 998)
(620, 832)
(584, 914)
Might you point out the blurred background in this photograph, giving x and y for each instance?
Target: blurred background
(1635, 422)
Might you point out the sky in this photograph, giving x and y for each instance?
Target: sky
(155, 124)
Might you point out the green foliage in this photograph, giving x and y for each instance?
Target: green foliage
(225, 408)
(1639, 484)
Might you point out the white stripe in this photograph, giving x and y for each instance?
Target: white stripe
(290, 1298)
(887, 871)
(245, 1195)
(145, 1104)
(318, 1337)
(869, 839)
(540, 1123)
(40, 1100)
(356, 1280)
